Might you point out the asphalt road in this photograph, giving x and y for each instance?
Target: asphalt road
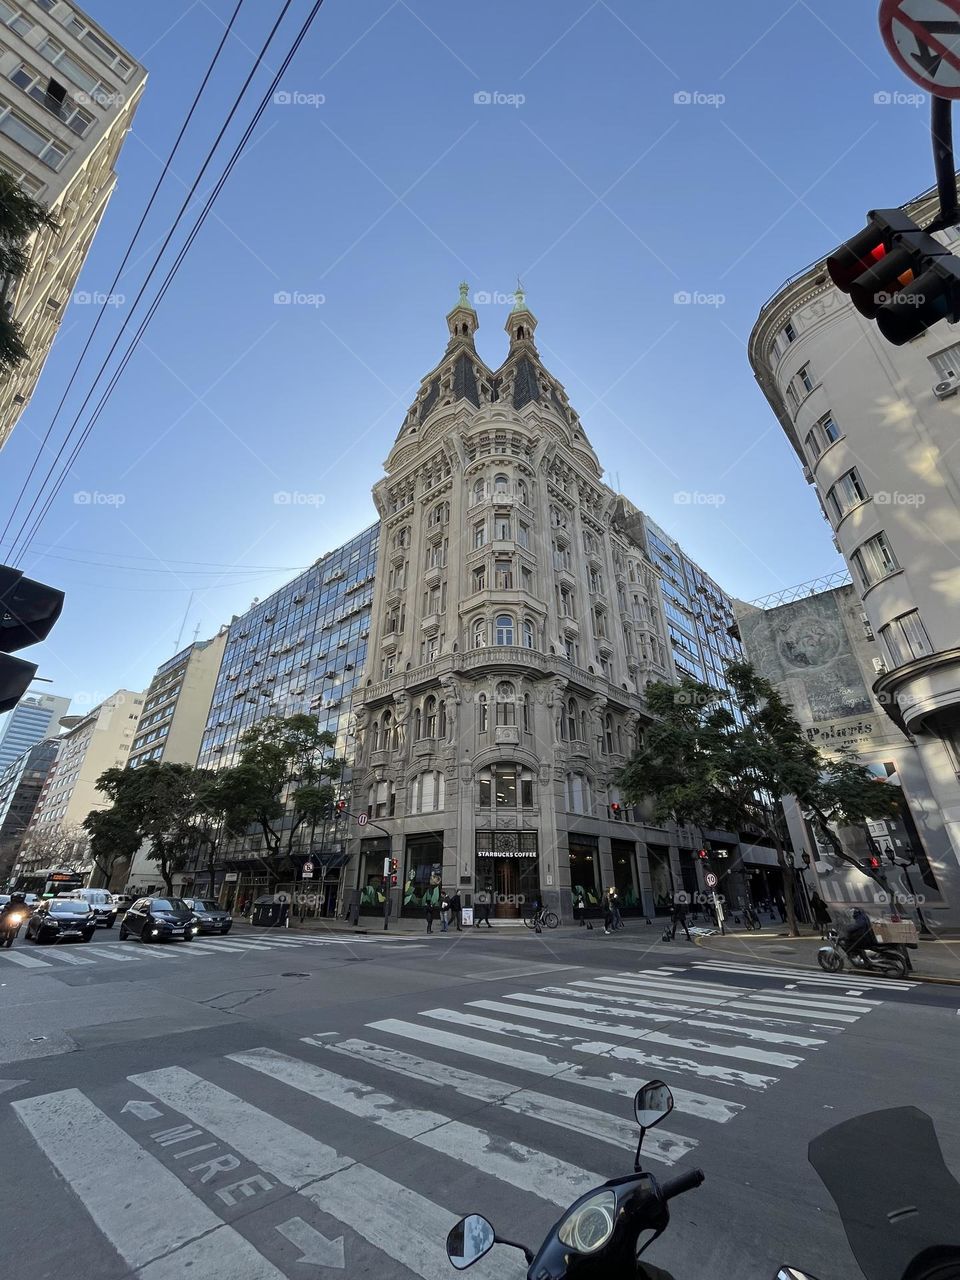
(273, 1105)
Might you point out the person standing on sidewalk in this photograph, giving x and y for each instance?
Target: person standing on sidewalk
(821, 914)
(444, 912)
(455, 909)
(614, 902)
(428, 915)
(679, 916)
(607, 914)
(581, 908)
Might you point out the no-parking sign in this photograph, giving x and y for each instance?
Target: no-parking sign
(923, 38)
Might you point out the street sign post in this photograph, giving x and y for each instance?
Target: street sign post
(712, 880)
(362, 819)
(923, 38)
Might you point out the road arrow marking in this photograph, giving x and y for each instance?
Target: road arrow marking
(142, 1110)
(317, 1250)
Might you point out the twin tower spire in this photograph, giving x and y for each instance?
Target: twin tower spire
(463, 323)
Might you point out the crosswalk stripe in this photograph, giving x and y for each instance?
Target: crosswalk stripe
(648, 1035)
(541, 1107)
(636, 1006)
(699, 1104)
(113, 953)
(752, 1033)
(807, 975)
(800, 1012)
(524, 1167)
(652, 992)
(605, 987)
(401, 1223)
(686, 985)
(27, 962)
(66, 958)
(156, 1213)
(815, 1000)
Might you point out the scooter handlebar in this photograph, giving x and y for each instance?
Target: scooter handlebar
(685, 1182)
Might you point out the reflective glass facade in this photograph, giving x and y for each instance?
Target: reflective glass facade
(300, 650)
(699, 614)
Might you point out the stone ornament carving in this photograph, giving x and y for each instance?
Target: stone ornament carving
(402, 715)
(452, 694)
(555, 700)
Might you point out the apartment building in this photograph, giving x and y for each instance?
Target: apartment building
(68, 93)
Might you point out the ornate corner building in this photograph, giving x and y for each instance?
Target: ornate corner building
(517, 619)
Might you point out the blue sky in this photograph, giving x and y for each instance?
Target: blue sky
(601, 190)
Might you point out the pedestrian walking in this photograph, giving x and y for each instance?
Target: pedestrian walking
(482, 912)
(581, 909)
(444, 913)
(607, 914)
(614, 902)
(455, 909)
(821, 913)
(679, 916)
(428, 915)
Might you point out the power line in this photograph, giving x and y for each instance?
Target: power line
(58, 484)
(116, 278)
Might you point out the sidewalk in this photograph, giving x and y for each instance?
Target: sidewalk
(373, 926)
(935, 960)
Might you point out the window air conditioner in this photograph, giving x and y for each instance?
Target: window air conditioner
(948, 387)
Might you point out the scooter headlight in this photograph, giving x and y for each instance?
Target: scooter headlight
(590, 1225)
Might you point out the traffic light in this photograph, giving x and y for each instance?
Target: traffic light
(898, 275)
(615, 809)
(394, 869)
(28, 611)
(873, 862)
(341, 806)
(702, 853)
(328, 812)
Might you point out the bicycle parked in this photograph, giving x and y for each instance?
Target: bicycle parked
(538, 919)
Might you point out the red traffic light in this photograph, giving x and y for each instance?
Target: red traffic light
(341, 806)
(702, 853)
(615, 809)
(393, 881)
(874, 862)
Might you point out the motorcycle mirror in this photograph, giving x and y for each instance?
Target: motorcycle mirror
(791, 1273)
(469, 1240)
(653, 1103)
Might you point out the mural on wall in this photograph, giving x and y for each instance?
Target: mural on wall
(804, 649)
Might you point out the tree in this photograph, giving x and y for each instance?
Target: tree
(114, 838)
(281, 781)
(704, 765)
(20, 217)
(157, 802)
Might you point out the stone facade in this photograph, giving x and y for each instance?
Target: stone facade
(516, 623)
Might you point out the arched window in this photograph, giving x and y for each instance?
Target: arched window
(522, 492)
(506, 704)
(442, 720)
(529, 634)
(416, 725)
(501, 483)
(573, 720)
(504, 629)
(481, 713)
(619, 738)
(375, 737)
(578, 793)
(440, 513)
(526, 713)
(430, 717)
(480, 633)
(608, 733)
(479, 491)
(386, 739)
(583, 726)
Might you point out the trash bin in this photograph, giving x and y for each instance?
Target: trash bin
(270, 911)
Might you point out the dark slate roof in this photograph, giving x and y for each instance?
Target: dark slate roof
(465, 381)
(430, 399)
(525, 385)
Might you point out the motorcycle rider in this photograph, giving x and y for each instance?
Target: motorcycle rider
(16, 909)
(856, 933)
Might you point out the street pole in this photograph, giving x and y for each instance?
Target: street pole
(941, 132)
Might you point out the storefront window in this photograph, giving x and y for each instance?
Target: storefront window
(584, 873)
(625, 873)
(423, 873)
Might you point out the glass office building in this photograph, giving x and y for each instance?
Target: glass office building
(302, 650)
(34, 718)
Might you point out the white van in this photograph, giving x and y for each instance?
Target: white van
(100, 900)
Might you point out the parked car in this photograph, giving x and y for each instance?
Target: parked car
(211, 917)
(152, 919)
(61, 919)
(101, 902)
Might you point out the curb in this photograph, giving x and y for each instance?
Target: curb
(798, 964)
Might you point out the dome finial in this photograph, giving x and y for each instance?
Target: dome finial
(519, 297)
(464, 292)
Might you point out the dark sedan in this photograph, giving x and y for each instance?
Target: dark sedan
(152, 919)
(61, 920)
(211, 917)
